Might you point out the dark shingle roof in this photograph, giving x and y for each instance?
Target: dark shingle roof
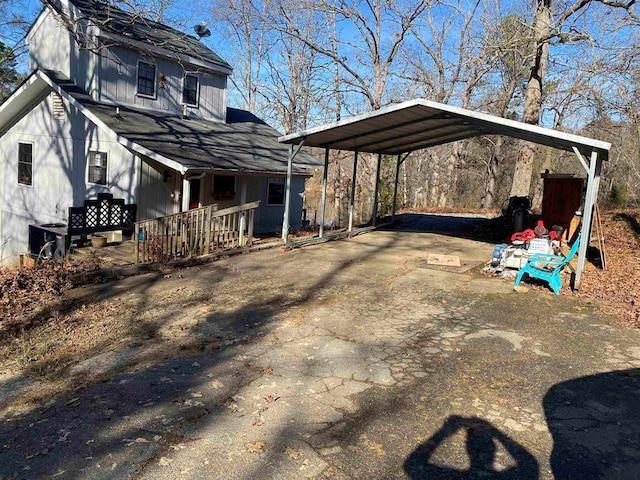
(244, 143)
(113, 20)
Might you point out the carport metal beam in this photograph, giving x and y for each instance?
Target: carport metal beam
(382, 132)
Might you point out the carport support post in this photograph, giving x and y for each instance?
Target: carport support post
(353, 190)
(324, 190)
(375, 192)
(287, 197)
(593, 183)
(395, 188)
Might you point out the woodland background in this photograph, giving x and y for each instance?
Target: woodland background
(573, 65)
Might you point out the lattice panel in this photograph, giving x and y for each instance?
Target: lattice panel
(91, 216)
(129, 215)
(103, 213)
(115, 216)
(76, 219)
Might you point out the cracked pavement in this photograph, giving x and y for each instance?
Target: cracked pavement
(350, 359)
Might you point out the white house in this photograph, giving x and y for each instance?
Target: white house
(121, 104)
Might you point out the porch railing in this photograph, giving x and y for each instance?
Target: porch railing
(194, 233)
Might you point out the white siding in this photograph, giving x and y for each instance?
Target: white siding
(50, 46)
(118, 74)
(155, 197)
(60, 153)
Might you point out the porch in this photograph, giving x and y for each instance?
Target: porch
(191, 234)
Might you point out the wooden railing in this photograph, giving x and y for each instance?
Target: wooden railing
(194, 233)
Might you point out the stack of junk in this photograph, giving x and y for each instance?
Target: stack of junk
(506, 259)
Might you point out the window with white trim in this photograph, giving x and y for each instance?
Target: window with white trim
(146, 79)
(275, 190)
(98, 168)
(25, 163)
(190, 90)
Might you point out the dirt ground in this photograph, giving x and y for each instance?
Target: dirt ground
(392, 321)
(45, 328)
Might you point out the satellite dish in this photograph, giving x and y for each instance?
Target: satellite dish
(202, 30)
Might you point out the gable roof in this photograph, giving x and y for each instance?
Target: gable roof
(136, 30)
(243, 143)
(420, 123)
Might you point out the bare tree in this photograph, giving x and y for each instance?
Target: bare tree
(552, 26)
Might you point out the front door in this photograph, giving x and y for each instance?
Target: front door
(194, 193)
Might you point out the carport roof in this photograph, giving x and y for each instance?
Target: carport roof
(420, 123)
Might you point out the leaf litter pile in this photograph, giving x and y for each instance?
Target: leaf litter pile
(619, 285)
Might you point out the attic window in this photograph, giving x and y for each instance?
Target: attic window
(190, 85)
(58, 106)
(146, 79)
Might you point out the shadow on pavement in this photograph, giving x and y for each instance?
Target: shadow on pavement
(481, 443)
(472, 227)
(595, 423)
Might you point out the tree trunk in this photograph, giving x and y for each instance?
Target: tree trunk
(489, 198)
(533, 97)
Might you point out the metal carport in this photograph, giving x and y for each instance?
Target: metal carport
(417, 124)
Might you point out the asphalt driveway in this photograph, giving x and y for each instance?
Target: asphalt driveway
(350, 359)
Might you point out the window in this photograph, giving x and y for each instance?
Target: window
(146, 79)
(224, 187)
(190, 86)
(98, 168)
(275, 191)
(25, 163)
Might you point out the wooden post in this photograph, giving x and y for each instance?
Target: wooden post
(136, 232)
(250, 233)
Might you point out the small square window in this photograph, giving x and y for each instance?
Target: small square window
(98, 168)
(190, 87)
(146, 79)
(275, 191)
(25, 163)
(224, 187)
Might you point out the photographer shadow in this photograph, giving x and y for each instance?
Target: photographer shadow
(482, 441)
(595, 424)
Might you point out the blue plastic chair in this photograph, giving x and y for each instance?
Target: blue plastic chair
(547, 267)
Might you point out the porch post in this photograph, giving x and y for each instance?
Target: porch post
(324, 190)
(186, 193)
(375, 192)
(593, 183)
(287, 197)
(353, 190)
(243, 215)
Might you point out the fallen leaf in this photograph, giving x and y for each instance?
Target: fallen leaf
(255, 447)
